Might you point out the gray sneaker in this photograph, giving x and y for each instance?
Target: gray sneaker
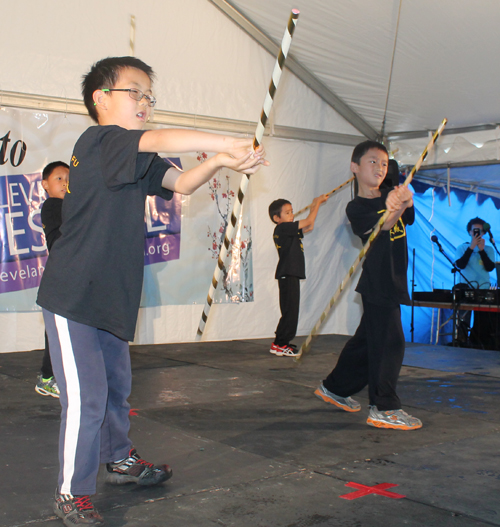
(133, 469)
(395, 419)
(76, 510)
(47, 386)
(346, 403)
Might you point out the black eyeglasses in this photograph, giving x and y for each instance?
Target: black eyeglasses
(137, 95)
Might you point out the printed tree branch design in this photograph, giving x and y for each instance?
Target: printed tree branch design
(237, 279)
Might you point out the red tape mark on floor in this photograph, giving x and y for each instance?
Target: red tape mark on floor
(364, 490)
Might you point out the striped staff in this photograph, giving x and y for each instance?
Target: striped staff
(259, 133)
(376, 230)
(329, 194)
(132, 35)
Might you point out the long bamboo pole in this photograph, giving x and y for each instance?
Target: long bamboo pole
(259, 133)
(376, 230)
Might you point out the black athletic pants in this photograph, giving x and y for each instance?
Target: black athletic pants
(373, 356)
(289, 287)
(46, 369)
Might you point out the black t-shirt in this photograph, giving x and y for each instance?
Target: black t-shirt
(383, 280)
(94, 272)
(51, 220)
(288, 240)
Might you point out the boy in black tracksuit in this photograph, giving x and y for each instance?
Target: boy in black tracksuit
(288, 236)
(55, 182)
(374, 355)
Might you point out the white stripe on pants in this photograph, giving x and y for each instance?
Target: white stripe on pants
(92, 370)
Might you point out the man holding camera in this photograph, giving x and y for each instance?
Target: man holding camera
(476, 259)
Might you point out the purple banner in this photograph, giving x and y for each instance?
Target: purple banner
(21, 274)
(23, 251)
(162, 248)
(21, 230)
(162, 227)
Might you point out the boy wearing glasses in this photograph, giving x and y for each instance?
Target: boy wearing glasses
(91, 287)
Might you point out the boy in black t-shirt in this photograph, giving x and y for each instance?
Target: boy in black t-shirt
(291, 268)
(374, 355)
(91, 288)
(55, 183)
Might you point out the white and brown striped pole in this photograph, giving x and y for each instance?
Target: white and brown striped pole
(376, 230)
(132, 35)
(328, 194)
(259, 133)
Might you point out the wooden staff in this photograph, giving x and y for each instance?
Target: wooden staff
(376, 230)
(259, 133)
(329, 194)
(132, 35)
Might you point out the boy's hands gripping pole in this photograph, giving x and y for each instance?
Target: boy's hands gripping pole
(259, 133)
(399, 197)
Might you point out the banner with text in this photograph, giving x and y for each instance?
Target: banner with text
(175, 272)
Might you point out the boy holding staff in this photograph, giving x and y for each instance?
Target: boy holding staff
(374, 355)
(91, 288)
(291, 268)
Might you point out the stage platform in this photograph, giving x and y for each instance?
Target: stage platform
(251, 446)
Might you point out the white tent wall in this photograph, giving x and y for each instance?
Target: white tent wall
(205, 65)
(302, 171)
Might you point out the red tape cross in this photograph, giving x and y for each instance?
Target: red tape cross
(364, 490)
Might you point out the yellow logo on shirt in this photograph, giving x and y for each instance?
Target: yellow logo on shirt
(398, 231)
(276, 238)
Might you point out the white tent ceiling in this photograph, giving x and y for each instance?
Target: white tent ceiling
(395, 68)
(442, 56)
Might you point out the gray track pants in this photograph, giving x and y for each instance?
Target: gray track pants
(92, 370)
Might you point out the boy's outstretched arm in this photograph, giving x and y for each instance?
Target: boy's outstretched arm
(307, 224)
(187, 182)
(179, 141)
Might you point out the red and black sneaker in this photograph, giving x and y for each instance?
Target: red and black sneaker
(76, 510)
(288, 350)
(133, 469)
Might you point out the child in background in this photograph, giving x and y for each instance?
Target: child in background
(374, 355)
(91, 288)
(55, 182)
(291, 268)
